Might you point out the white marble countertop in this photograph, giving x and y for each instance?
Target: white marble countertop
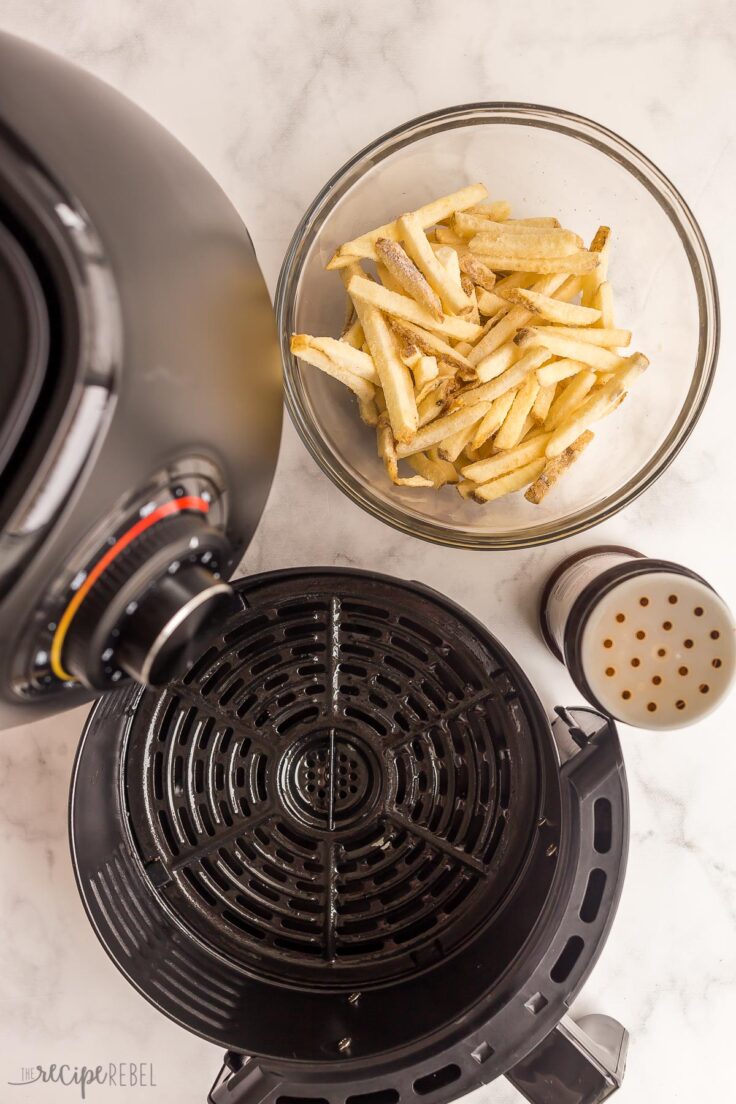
(273, 97)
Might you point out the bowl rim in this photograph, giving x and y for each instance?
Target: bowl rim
(648, 175)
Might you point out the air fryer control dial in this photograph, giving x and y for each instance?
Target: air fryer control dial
(141, 593)
(147, 612)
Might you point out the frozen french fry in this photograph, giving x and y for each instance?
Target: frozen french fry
(502, 462)
(552, 310)
(301, 347)
(402, 306)
(556, 467)
(427, 216)
(507, 484)
(570, 398)
(602, 359)
(515, 423)
(443, 427)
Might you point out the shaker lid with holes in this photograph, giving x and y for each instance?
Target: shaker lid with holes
(647, 641)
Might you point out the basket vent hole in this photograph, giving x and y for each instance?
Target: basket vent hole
(672, 599)
(704, 688)
(716, 662)
(715, 635)
(698, 611)
(643, 601)
(688, 643)
(608, 643)
(432, 1082)
(666, 625)
(652, 707)
(381, 1096)
(683, 671)
(661, 652)
(626, 694)
(680, 704)
(620, 617)
(636, 662)
(593, 895)
(657, 680)
(565, 964)
(610, 671)
(640, 634)
(602, 825)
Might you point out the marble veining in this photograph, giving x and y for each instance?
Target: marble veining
(273, 98)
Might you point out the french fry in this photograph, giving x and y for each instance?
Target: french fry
(428, 215)
(450, 448)
(452, 295)
(513, 427)
(441, 428)
(492, 421)
(353, 334)
(446, 236)
(507, 326)
(387, 452)
(507, 484)
(542, 403)
(512, 377)
(569, 399)
(429, 343)
(596, 335)
(450, 261)
(479, 273)
(553, 310)
(465, 487)
(485, 470)
(556, 467)
(305, 351)
(574, 263)
(549, 221)
(434, 401)
(360, 363)
(596, 357)
(425, 370)
(401, 306)
(407, 276)
(498, 361)
(524, 241)
(601, 244)
(396, 381)
(603, 301)
(597, 406)
(440, 472)
(368, 411)
(385, 277)
(558, 370)
(498, 209)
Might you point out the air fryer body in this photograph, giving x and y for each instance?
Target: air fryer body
(161, 384)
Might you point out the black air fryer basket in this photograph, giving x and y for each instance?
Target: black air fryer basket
(349, 848)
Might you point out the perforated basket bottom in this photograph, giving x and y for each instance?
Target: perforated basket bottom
(343, 787)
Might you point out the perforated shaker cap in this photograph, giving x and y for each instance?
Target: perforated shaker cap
(658, 650)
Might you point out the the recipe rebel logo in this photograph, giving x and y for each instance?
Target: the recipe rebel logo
(113, 1075)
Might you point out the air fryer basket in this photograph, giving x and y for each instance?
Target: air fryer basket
(347, 844)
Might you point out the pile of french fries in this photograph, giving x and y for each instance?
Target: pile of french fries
(480, 347)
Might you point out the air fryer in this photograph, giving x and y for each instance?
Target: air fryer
(342, 839)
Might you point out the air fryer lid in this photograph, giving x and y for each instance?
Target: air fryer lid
(23, 344)
(333, 838)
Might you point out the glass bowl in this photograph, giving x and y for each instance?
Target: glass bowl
(545, 162)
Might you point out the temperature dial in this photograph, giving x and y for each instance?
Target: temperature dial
(147, 606)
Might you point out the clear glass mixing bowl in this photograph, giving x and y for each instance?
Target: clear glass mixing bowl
(544, 162)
